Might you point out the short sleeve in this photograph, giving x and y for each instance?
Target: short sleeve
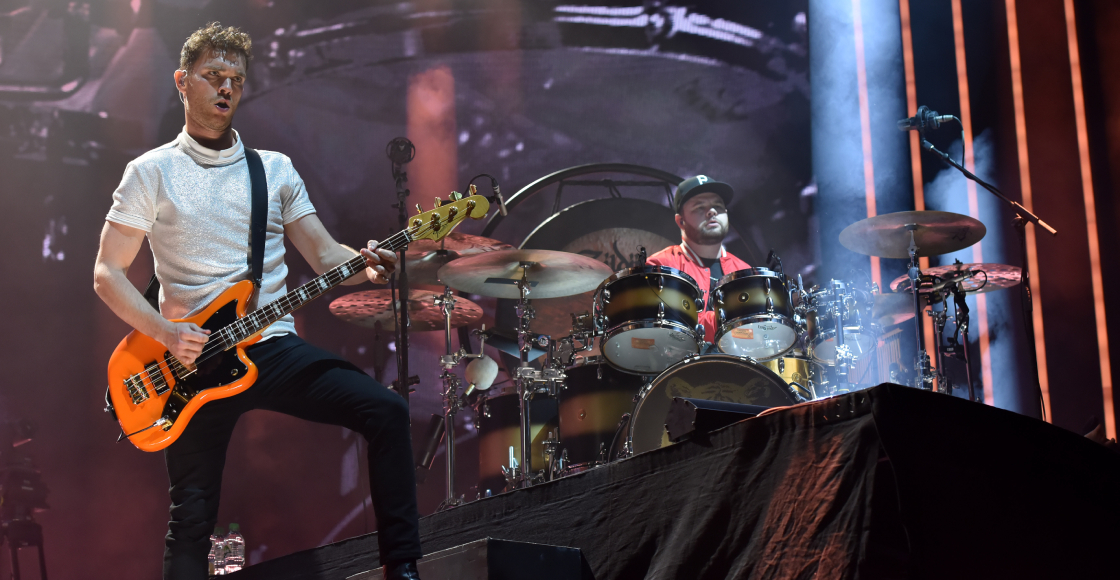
(294, 200)
(134, 201)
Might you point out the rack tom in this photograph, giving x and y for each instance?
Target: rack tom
(754, 314)
(649, 317)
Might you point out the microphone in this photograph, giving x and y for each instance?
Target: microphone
(400, 151)
(498, 194)
(925, 118)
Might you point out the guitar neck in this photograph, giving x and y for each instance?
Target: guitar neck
(262, 317)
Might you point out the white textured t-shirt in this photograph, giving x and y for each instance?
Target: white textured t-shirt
(195, 205)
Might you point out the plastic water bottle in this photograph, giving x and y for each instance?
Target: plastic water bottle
(235, 549)
(216, 558)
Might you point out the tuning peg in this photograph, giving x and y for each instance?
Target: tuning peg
(419, 210)
(474, 189)
(438, 202)
(456, 196)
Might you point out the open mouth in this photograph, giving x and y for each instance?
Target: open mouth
(222, 106)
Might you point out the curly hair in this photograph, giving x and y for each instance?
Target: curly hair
(213, 36)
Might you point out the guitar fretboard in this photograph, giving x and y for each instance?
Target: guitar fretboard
(260, 318)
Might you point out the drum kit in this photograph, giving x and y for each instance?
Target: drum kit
(777, 342)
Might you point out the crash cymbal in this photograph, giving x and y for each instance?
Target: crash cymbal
(551, 274)
(424, 269)
(370, 307)
(986, 277)
(463, 244)
(936, 233)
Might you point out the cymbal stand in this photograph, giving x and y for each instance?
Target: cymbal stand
(452, 401)
(531, 382)
(924, 380)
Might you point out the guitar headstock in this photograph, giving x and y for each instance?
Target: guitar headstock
(437, 222)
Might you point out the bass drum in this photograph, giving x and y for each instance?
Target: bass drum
(499, 429)
(595, 397)
(715, 377)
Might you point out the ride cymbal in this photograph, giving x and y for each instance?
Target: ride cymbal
(935, 233)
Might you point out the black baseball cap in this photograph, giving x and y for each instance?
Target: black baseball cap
(694, 186)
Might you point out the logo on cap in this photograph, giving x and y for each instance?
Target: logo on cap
(701, 179)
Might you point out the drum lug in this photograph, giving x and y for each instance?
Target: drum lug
(781, 365)
(769, 302)
(767, 281)
(660, 284)
(661, 312)
(719, 296)
(722, 315)
(606, 296)
(700, 330)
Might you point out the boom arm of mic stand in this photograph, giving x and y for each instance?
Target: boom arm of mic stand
(1018, 208)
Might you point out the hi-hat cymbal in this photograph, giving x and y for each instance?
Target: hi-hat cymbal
(935, 233)
(463, 244)
(994, 277)
(370, 307)
(550, 274)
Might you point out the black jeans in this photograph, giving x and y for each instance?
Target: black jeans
(298, 379)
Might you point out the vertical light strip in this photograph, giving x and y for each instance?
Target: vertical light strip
(1028, 202)
(865, 128)
(915, 144)
(973, 202)
(1090, 220)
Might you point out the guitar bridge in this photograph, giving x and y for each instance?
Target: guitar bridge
(136, 390)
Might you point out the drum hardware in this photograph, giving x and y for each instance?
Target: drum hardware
(922, 233)
(452, 401)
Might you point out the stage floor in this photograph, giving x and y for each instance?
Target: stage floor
(890, 482)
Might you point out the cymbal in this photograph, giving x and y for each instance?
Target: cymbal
(551, 274)
(890, 308)
(370, 307)
(424, 269)
(463, 244)
(937, 232)
(999, 276)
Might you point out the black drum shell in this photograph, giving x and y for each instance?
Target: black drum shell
(591, 408)
(743, 293)
(633, 295)
(502, 429)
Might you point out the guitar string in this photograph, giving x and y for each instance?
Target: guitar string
(176, 366)
(223, 344)
(215, 347)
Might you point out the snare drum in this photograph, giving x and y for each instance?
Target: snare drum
(649, 317)
(715, 377)
(595, 398)
(754, 314)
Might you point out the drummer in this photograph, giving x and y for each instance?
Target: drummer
(701, 206)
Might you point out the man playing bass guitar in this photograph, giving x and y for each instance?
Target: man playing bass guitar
(191, 198)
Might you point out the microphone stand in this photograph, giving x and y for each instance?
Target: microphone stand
(1022, 216)
(404, 382)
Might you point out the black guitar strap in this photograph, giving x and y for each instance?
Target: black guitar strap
(258, 225)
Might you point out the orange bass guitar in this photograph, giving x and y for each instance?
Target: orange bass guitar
(154, 395)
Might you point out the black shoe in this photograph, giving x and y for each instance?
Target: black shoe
(402, 571)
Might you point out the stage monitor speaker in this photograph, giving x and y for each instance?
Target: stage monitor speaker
(493, 559)
(689, 416)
